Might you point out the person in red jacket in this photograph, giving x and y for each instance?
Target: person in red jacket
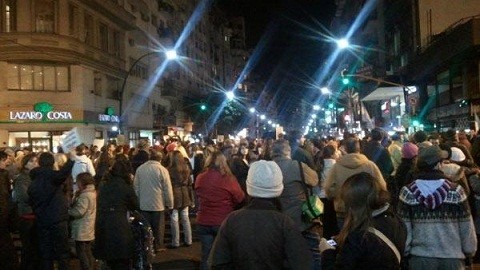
(218, 194)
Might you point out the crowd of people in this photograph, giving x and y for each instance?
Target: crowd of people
(408, 201)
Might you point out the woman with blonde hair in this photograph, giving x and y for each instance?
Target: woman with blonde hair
(218, 194)
(373, 236)
(180, 178)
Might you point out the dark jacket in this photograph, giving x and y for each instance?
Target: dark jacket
(240, 169)
(302, 155)
(47, 194)
(113, 234)
(4, 199)
(259, 236)
(364, 250)
(375, 151)
(141, 157)
(404, 173)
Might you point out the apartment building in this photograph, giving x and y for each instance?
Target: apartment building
(88, 64)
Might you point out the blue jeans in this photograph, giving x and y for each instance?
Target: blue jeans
(187, 229)
(157, 221)
(207, 235)
(312, 236)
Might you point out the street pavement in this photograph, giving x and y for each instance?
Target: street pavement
(182, 257)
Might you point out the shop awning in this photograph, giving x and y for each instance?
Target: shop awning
(385, 93)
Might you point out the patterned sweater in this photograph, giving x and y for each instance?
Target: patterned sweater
(438, 219)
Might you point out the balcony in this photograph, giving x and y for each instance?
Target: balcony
(458, 41)
(51, 47)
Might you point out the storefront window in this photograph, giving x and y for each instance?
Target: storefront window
(38, 78)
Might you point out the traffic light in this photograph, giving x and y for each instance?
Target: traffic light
(345, 79)
(331, 105)
(203, 107)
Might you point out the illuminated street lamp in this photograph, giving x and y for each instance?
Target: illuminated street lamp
(316, 107)
(252, 110)
(230, 95)
(262, 117)
(325, 91)
(342, 43)
(169, 55)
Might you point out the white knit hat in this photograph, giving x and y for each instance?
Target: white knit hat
(264, 180)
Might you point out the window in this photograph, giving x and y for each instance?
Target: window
(116, 43)
(73, 21)
(38, 78)
(45, 16)
(140, 104)
(88, 29)
(9, 15)
(103, 37)
(154, 21)
(139, 70)
(97, 83)
(113, 87)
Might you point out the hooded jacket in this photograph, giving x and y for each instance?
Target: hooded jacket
(346, 166)
(437, 216)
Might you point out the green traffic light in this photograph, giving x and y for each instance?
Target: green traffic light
(330, 105)
(345, 81)
(203, 107)
(415, 123)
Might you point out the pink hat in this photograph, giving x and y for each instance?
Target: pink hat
(409, 150)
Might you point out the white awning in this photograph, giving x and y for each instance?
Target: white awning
(385, 93)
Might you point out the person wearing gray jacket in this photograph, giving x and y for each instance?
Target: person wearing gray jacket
(154, 190)
(293, 195)
(83, 211)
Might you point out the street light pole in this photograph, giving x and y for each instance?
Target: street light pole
(170, 55)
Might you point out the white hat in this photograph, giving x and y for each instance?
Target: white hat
(457, 154)
(264, 180)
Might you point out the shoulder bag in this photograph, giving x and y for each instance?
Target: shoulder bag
(387, 241)
(312, 208)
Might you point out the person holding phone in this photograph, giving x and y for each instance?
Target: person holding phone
(368, 215)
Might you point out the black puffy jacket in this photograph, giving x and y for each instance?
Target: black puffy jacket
(47, 196)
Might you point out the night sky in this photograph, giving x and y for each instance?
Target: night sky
(291, 52)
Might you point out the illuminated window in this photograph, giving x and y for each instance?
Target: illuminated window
(9, 15)
(38, 78)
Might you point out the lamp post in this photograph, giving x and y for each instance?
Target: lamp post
(170, 55)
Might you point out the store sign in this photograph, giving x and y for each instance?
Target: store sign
(108, 118)
(32, 115)
(42, 111)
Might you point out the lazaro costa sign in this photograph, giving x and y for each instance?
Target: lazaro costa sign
(32, 115)
(42, 111)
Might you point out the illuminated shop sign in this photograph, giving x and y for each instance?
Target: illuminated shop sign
(32, 115)
(108, 118)
(42, 111)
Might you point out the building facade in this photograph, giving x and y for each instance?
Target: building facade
(428, 48)
(84, 64)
